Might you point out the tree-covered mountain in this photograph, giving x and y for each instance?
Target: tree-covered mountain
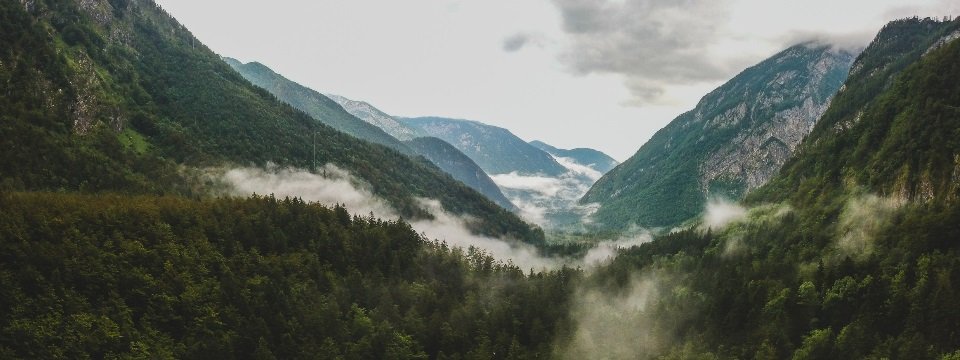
(495, 149)
(591, 158)
(314, 104)
(852, 251)
(892, 126)
(118, 96)
(460, 167)
(374, 116)
(141, 277)
(734, 140)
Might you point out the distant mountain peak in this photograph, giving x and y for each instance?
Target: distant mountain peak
(591, 158)
(374, 116)
(495, 149)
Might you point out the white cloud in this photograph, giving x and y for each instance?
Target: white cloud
(720, 213)
(861, 220)
(605, 251)
(576, 168)
(337, 186)
(548, 201)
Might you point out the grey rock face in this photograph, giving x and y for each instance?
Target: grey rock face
(754, 156)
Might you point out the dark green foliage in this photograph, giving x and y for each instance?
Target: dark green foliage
(133, 67)
(660, 186)
(164, 277)
(783, 286)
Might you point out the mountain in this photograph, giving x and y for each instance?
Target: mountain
(314, 104)
(460, 167)
(888, 128)
(734, 140)
(439, 152)
(495, 149)
(852, 251)
(374, 116)
(591, 158)
(117, 96)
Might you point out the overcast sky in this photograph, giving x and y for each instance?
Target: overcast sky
(605, 74)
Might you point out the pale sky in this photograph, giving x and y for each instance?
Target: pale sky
(604, 74)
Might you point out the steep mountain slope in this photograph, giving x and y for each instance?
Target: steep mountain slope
(374, 116)
(734, 140)
(852, 251)
(495, 149)
(116, 96)
(591, 158)
(459, 166)
(127, 277)
(314, 104)
(893, 126)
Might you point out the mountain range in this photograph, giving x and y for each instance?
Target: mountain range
(120, 130)
(591, 158)
(132, 102)
(315, 104)
(495, 149)
(371, 125)
(735, 139)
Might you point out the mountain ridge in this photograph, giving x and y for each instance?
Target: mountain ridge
(495, 149)
(735, 139)
(591, 158)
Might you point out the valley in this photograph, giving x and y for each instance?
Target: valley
(160, 200)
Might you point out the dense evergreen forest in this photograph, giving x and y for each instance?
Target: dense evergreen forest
(118, 96)
(140, 277)
(111, 247)
(853, 251)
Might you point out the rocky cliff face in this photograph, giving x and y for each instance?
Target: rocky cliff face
(754, 156)
(735, 140)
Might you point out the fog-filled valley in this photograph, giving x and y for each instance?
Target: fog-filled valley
(161, 200)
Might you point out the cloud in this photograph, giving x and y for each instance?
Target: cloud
(860, 222)
(544, 185)
(720, 213)
(551, 201)
(332, 186)
(653, 43)
(853, 42)
(515, 42)
(579, 169)
(605, 251)
(636, 321)
(337, 186)
(937, 9)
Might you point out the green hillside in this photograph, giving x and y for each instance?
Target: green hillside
(117, 96)
(734, 140)
(314, 104)
(852, 252)
(134, 277)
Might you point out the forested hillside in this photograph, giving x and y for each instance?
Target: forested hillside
(314, 104)
(116, 95)
(861, 262)
(134, 277)
(735, 139)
